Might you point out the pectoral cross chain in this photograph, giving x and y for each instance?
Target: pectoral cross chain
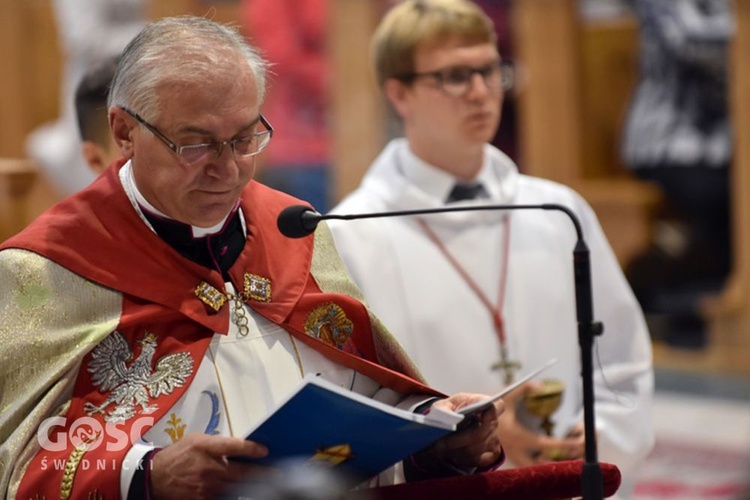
(508, 367)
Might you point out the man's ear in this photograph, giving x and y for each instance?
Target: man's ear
(123, 127)
(397, 93)
(94, 156)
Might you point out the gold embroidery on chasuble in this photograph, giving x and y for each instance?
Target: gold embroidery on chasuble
(329, 324)
(331, 276)
(258, 287)
(131, 385)
(175, 427)
(48, 302)
(254, 287)
(71, 466)
(210, 296)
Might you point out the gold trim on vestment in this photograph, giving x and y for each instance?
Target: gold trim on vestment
(71, 467)
(258, 287)
(331, 275)
(51, 318)
(329, 324)
(210, 296)
(255, 288)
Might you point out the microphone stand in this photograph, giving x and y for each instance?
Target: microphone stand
(591, 479)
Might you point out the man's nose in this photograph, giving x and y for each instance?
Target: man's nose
(224, 161)
(221, 147)
(478, 86)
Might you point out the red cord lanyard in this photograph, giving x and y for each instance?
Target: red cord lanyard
(496, 311)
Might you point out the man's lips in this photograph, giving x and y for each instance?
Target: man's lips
(216, 192)
(480, 116)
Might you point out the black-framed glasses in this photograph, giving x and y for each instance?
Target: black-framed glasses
(245, 146)
(456, 81)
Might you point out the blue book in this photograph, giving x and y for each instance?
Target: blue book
(328, 426)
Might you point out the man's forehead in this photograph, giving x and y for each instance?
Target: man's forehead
(219, 128)
(200, 104)
(218, 86)
(450, 42)
(454, 51)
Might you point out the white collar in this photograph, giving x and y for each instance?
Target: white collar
(139, 202)
(438, 183)
(427, 186)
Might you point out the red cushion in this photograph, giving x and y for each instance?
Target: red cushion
(547, 481)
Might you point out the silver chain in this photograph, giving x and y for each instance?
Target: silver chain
(239, 314)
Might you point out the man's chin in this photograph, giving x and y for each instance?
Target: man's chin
(211, 215)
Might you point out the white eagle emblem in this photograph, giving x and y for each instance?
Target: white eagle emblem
(132, 385)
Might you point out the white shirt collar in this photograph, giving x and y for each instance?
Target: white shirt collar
(438, 183)
(139, 202)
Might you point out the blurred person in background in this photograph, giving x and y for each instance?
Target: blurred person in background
(293, 35)
(89, 33)
(97, 145)
(473, 296)
(677, 134)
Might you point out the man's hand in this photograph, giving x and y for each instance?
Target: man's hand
(525, 447)
(476, 446)
(197, 466)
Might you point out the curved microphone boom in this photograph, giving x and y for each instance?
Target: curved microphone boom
(299, 221)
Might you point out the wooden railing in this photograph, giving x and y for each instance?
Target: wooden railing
(17, 179)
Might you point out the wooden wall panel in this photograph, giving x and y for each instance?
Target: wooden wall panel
(12, 114)
(609, 73)
(358, 123)
(29, 88)
(546, 50)
(29, 97)
(577, 78)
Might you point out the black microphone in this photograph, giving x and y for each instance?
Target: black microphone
(299, 221)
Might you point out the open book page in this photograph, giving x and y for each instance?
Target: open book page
(469, 412)
(328, 426)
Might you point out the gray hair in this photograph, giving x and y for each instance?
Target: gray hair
(178, 49)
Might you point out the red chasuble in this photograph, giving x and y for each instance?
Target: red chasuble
(97, 234)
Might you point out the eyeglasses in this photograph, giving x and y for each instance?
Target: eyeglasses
(245, 146)
(456, 81)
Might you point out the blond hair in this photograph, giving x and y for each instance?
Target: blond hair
(412, 23)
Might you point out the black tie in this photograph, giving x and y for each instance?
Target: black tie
(463, 192)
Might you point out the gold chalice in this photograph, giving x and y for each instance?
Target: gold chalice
(542, 401)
